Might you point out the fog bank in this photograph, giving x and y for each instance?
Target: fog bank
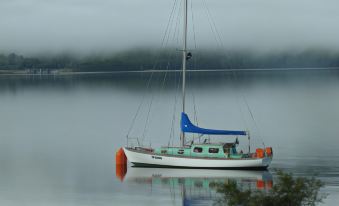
(82, 26)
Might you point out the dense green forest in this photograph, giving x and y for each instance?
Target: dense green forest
(145, 59)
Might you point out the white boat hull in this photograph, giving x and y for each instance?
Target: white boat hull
(147, 159)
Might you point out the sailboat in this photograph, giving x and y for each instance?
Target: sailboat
(202, 155)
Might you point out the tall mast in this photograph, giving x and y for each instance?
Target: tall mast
(184, 55)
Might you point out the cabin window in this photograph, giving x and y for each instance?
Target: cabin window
(163, 151)
(197, 149)
(198, 184)
(181, 151)
(227, 150)
(213, 150)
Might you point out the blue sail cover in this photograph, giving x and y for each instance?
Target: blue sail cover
(187, 126)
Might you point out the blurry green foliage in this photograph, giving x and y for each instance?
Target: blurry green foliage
(287, 191)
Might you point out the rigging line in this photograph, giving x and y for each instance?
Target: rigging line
(151, 76)
(238, 103)
(169, 22)
(195, 118)
(177, 84)
(171, 137)
(171, 57)
(189, 80)
(209, 21)
(221, 42)
(140, 105)
(146, 123)
(148, 115)
(151, 102)
(176, 80)
(166, 72)
(215, 27)
(165, 76)
(164, 41)
(172, 19)
(178, 22)
(195, 110)
(250, 111)
(171, 54)
(194, 64)
(175, 34)
(176, 39)
(193, 27)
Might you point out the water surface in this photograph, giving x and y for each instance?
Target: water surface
(58, 134)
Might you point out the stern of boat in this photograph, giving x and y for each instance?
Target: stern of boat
(266, 161)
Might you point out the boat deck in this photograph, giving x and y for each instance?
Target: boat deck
(151, 152)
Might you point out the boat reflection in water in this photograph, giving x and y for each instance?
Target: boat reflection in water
(196, 186)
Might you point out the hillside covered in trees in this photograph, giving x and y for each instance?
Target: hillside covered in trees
(145, 59)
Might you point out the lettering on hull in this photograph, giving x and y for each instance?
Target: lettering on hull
(156, 157)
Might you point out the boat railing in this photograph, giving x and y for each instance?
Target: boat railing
(133, 141)
(136, 144)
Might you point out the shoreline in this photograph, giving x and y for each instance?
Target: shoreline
(68, 72)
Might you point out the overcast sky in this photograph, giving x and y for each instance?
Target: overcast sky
(85, 26)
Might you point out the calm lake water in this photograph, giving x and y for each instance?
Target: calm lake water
(59, 134)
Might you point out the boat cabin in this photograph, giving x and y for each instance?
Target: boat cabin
(222, 150)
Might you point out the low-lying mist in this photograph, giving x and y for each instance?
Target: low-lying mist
(139, 59)
(82, 27)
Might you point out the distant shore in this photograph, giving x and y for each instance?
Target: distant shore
(152, 60)
(70, 72)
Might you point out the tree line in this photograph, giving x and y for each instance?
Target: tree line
(145, 59)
